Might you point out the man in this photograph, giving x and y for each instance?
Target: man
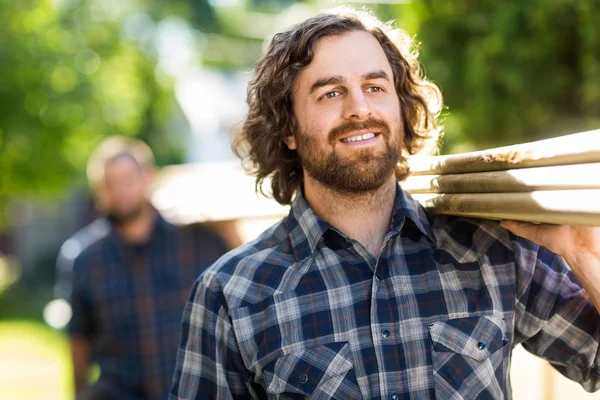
(359, 293)
(129, 286)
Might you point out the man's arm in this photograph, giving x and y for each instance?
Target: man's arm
(578, 245)
(80, 327)
(209, 365)
(555, 317)
(587, 269)
(81, 357)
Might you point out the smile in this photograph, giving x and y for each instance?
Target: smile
(359, 138)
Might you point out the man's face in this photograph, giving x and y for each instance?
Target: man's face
(348, 112)
(125, 188)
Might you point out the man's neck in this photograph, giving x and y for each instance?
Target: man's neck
(138, 230)
(364, 217)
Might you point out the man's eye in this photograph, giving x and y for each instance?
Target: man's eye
(375, 89)
(331, 95)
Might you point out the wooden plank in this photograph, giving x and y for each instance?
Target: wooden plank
(571, 207)
(577, 148)
(564, 177)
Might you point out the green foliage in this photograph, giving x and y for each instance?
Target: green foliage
(510, 71)
(68, 78)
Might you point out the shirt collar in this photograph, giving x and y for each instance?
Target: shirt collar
(407, 207)
(306, 228)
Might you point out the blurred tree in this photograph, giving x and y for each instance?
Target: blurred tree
(75, 71)
(510, 71)
(68, 78)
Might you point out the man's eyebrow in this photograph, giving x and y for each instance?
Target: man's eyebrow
(330, 80)
(379, 74)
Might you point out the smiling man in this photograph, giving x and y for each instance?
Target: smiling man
(359, 293)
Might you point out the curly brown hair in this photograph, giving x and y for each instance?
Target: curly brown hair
(271, 116)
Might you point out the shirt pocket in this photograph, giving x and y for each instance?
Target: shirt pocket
(468, 357)
(319, 372)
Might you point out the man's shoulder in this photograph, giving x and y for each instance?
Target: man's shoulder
(481, 235)
(255, 269)
(463, 235)
(97, 234)
(85, 237)
(471, 239)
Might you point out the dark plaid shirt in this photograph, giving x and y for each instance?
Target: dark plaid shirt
(128, 300)
(304, 311)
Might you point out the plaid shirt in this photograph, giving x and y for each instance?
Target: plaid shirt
(128, 300)
(305, 311)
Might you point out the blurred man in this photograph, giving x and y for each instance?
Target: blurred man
(359, 293)
(130, 284)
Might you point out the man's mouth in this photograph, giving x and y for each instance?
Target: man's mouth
(358, 138)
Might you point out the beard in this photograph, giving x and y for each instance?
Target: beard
(125, 217)
(366, 171)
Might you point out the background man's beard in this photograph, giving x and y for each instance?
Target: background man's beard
(122, 218)
(366, 172)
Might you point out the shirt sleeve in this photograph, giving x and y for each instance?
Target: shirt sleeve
(554, 317)
(209, 365)
(81, 322)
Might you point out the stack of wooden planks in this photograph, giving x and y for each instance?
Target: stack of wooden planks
(553, 181)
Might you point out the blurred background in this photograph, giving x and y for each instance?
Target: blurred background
(174, 73)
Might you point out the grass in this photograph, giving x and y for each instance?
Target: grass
(34, 362)
(34, 358)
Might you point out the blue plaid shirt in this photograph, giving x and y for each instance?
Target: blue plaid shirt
(128, 301)
(305, 311)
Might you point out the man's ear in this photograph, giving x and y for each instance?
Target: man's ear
(290, 141)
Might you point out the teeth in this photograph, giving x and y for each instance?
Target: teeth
(359, 137)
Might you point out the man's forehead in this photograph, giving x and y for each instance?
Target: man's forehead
(353, 54)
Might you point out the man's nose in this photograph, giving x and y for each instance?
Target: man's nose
(356, 105)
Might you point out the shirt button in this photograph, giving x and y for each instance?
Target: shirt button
(303, 378)
(385, 333)
(378, 277)
(481, 346)
(394, 396)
